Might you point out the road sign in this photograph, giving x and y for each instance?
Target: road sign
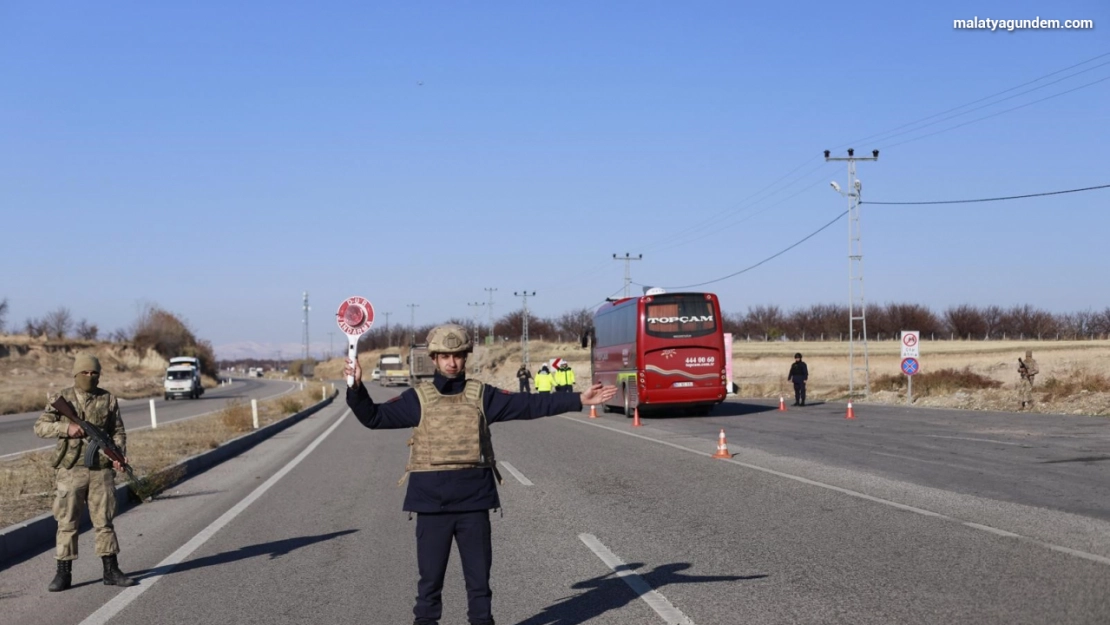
(910, 339)
(355, 316)
(910, 366)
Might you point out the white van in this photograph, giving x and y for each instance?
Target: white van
(183, 378)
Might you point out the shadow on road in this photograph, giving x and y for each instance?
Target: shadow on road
(274, 549)
(610, 592)
(735, 409)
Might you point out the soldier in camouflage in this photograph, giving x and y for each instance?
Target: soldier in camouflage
(452, 470)
(79, 486)
(1027, 369)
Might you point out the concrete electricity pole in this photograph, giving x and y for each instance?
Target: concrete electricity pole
(412, 323)
(305, 337)
(388, 336)
(476, 306)
(491, 332)
(627, 258)
(524, 334)
(857, 306)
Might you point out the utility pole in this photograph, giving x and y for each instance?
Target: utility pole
(412, 323)
(627, 258)
(491, 332)
(476, 306)
(524, 334)
(305, 338)
(388, 336)
(857, 305)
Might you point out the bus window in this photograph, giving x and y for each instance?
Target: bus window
(679, 317)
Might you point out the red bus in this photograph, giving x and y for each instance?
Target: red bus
(661, 350)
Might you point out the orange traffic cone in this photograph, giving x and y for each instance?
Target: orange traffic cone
(593, 411)
(636, 417)
(722, 447)
(782, 404)
(851, 413)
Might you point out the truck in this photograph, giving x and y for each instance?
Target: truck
(421, 366)
(393, 370)
(183, 378)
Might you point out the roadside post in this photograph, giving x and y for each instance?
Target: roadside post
(728, 364)
(355, 317)
(153, 416)
(254, 412)
(910, 363)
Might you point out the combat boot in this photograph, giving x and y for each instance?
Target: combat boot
(112, 575)
(63, 578)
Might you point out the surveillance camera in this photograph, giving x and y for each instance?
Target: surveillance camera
(858, 185)
(835, 186)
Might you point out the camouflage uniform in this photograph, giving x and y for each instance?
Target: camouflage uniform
(1027, 369)
(78, 486)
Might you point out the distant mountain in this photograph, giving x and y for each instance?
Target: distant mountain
(242, 350)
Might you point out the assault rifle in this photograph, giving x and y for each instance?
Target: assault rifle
(98, 441)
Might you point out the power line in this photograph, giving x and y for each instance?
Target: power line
(746, 269)
(992, 199)
(979, 119)
(993, 95)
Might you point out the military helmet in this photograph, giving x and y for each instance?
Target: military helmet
(450, 338)
(797, 355)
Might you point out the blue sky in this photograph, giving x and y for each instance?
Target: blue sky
(218, 160)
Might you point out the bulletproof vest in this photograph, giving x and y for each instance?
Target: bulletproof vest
(97, 411)
(453, 432)
(1031, 367)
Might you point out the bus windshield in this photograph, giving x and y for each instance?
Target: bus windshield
(679, 316)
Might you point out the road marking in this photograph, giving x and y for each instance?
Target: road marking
(517, 474)
(671, 615)
(147, 427)
(886, 502)
(122, 600)
(976, 440)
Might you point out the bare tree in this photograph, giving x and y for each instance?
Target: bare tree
(574, 324)
(34, 327)
(59, 322)
(87, 331)
(965, 321)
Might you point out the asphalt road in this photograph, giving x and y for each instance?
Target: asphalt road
(17, 430)
(899, 516)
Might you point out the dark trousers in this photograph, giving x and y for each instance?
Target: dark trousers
(471, 532)
(565, 388)
(800, 392)
(524, 388)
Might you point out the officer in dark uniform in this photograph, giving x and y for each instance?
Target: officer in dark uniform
(799, 373)
(451, 467)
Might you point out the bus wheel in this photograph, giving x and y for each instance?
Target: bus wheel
(627, 401)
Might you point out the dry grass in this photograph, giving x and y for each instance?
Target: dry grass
(976, 374)
(27, 481)
(32, 368)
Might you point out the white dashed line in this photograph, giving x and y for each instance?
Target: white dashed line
(671, 615)
(517, 474)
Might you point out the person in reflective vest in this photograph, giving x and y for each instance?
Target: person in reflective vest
(544, 380)
(564, 379)
(452, 472)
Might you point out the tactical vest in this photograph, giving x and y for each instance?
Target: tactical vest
(97, 412)
(453, 432)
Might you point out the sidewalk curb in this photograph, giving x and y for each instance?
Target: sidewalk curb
(21, 540)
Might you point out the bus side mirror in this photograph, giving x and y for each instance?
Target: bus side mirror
(585, 338)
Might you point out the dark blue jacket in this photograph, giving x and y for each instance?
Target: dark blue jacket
(462, 490)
